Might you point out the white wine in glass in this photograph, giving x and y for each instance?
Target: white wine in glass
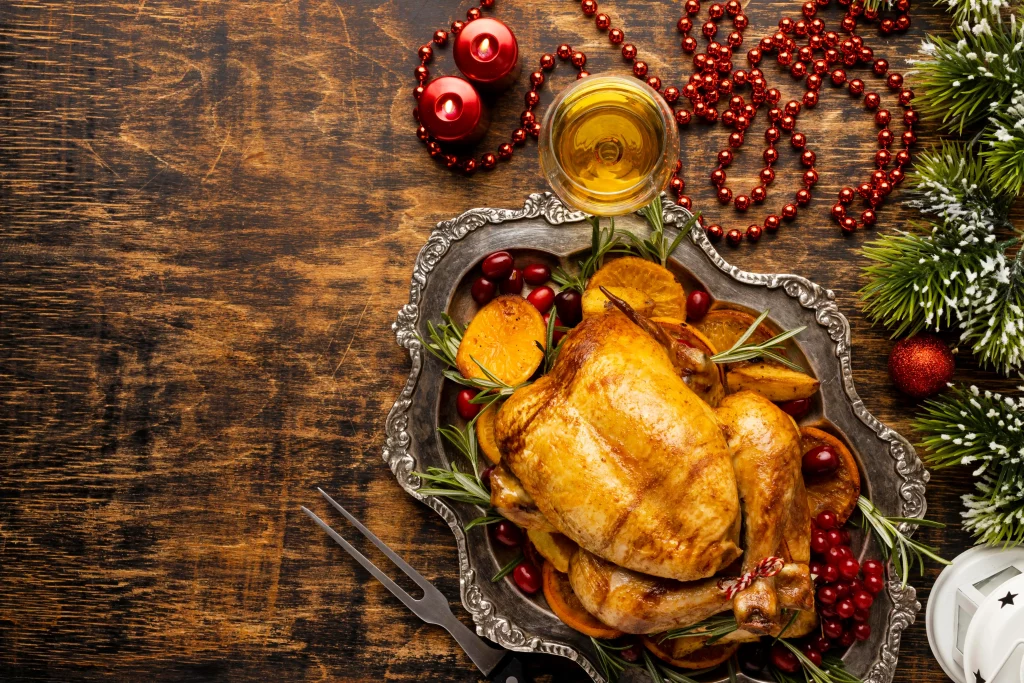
(608, 145)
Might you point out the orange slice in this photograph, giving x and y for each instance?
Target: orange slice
(503, 338)
(837, 491)
(567, 607)
(689, 655)
(658, 283)
(595, 302)
(485, 437)
(724, 327)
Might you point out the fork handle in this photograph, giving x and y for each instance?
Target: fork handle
(510, 670)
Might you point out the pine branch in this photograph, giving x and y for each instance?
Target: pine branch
(602, 243)
(993, 311)
(1003, 147)
(975, 11)
(978, 69)
(984, 430)
(903, 551)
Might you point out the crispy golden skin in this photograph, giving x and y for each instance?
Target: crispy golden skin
(621, 457)
(766, 452)
(636, 603)
(513, 503)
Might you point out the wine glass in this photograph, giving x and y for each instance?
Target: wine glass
(608, 145)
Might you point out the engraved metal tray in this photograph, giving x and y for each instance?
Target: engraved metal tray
(545, 230)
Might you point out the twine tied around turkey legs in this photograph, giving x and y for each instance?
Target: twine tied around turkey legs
(769, 566)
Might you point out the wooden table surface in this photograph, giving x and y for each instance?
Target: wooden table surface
(209, 213)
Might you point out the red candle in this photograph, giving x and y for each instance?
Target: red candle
(487, 53)
(451, 109)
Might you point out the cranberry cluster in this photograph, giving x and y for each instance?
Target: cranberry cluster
(526, 575)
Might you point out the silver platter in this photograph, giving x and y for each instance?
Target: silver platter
(893, 476)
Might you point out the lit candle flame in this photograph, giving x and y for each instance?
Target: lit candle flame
(449, 107)
(484, 49)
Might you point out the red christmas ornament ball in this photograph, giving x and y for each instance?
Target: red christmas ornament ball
(921, 365)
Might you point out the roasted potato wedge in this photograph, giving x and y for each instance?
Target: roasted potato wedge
(595, 302)
(689, 653)
(503, 337)
(773, 381)
(837, 491)
(553, 547)
(655, 281)
(485, 438)
(724, 326)
(567, 607)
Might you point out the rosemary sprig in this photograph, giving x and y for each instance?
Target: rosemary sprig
(834, 671)
(450, 482)
(714, 628)
(902, 550)
(484, 521)
(492, 389)
(508, 568)
(551, 349)
(657, 247)
(445, 338)
(741, 351)
(613, 664)
(602, 242)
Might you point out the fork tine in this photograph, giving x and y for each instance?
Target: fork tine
(391, 554)
(368, 565)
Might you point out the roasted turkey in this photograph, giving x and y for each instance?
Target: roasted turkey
(615, 450)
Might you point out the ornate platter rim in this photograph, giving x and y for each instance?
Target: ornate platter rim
(489, 618)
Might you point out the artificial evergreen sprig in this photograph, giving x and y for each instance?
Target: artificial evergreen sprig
(984, 430)
(953, 272)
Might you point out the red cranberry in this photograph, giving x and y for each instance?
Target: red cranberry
(834, 537)
(485, 477)
(846, 536)
(532, 555)
(543, 298)
(483, 290)
(826, 519)
(827, 595)
(812, 653)
(830, 574)
(819, 542)
(861, 631)
(632, 653)
(845, 608)
(497, 266)
(784, 660)
(820, 460)
(861, 616)
(849, 568)
(842, 588)
(873, 583)
(527, 577)
(834, 556)
(558, 334)
(821, 643)
(845, 553)
(467, 410)
(513, 284)
(872, 567)
(536, 274)
(570, 307)
(816, 568)
(846, 640)
(508, 534)
(797, 407)
(697, 304)
(863, 600)
(832, 629)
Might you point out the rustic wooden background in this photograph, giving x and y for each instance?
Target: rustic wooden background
(208, 217)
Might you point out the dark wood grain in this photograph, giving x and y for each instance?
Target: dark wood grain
(208, 217)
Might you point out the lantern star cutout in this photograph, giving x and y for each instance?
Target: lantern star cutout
(1007, 599)
(977, 677)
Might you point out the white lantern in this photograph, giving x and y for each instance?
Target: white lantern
(968, 626)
